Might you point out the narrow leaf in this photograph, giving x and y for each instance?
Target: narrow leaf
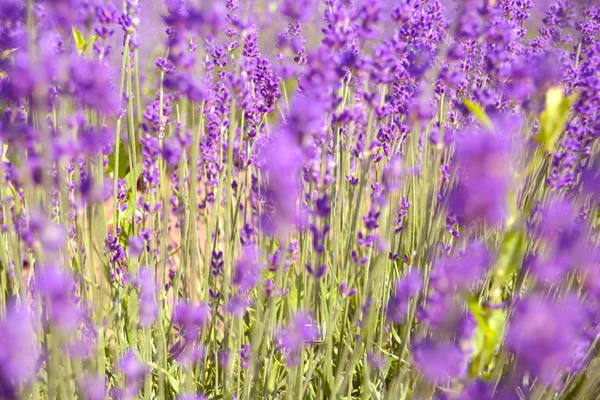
(554, 118)
(79, 40)
(478, 112)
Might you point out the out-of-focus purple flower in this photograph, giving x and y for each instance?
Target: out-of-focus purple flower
(283, 161)
(148, 288)
(237, 305)
(19, 350)
(439, 362)
(22, 80)
(463, 271)
(531, 75)
(207, 19)
(52, 236)
(480, 195)
(478, 390)
(305, 119)
(376, 361)
(131, 367)
(407, 288)
(247, 270)
(188, 354)
(92, 84)
(301, 10)
(245, 355)
(191, 318)
(134, 372)
(301, 330)
(57, 288)
(136, 246)
(172, 150)
(447, 317)
(93, 387)
(81, 346)
(565, 243)
(544, 334)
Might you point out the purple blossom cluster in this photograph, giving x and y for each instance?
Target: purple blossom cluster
(248, 199)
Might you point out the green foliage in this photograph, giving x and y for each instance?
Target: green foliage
(554, 118)
(509, 256)
(479, 113)
(123, 160)
(487, 336)
(81, 43)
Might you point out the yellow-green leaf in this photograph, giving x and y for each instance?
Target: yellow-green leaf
(89, 42)
(479, 113)
(554, 118)
(487, 336)
(79, 40)
(123, 160)
(508, 257)
(7, 53)
(4, 151)
(172, 381)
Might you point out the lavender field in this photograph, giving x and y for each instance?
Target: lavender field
(300, 199)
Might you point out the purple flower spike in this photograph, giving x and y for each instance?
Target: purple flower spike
(94, 387)
(191, 318)
(406, 289)
(19, 350)
(58, 290)
(292, 338)
(545, 335)
(439, 362)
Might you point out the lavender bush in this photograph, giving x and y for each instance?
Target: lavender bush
(300, 199)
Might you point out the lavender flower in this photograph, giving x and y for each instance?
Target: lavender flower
(58, 290)
(134, 373)
(406, 289)
(191, 318)
(291, 339)
(439, 361)
(148, 290)
(544, 335)
(480, 195)
(19, 350)
(93, 387)
(247, 270)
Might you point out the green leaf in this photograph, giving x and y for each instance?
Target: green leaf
(172, 381)
(79, 40)
(123, 160)
(554, 118)
(132, 177)
(89, 43)
(509, 256)
(7, 53)
(181, 198)
(487, 336)
(81, 43)
(478, 112)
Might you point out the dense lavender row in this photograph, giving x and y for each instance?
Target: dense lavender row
(299, 199)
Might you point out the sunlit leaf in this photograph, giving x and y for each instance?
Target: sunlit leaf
(4, 151)
(508, 257)
(90, 42)
(479, 113)
(6, 53)
(123, 160)
(487, 336)
(554, 118)
(79, 40)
